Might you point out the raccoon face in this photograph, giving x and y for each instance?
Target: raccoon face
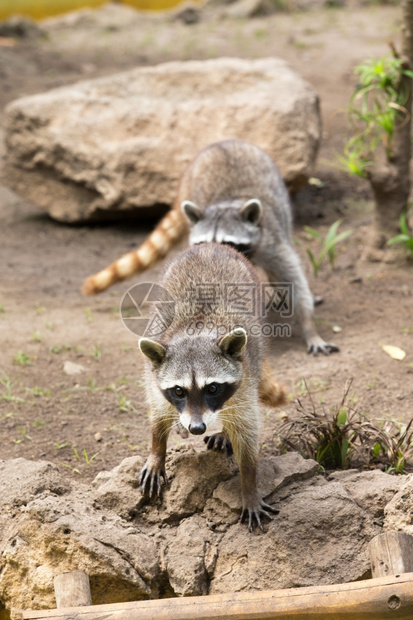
(197, 375)
(234, 223)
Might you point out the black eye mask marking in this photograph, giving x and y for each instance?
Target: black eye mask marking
(242, 248)
(176, 399)
(199, 400)
(223, 392)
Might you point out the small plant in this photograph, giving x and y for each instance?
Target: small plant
(60, 446)
(344, 437)
(328, 439)
(37, 337)
(22, 359)
(58, 348)
(373, 383)
(130, 445)
(38, 391)
(92, 386)
(5, 381)
(96, 352)
(40, 309)
(72, 469)
(261, 33)
(2, 309)
(312, 386)
(124, 404)
(376, 105)
(23, 431)
(407, 330)
(89, 315)
(88, 458)
(393, 446)
(406, 236)
(328, 245)
(127, 347)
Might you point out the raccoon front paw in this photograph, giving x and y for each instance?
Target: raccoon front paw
(152, 478)
(254, 513)
(317, 345)
(220, 443)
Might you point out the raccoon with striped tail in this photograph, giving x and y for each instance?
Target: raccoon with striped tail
(231, 193)
(196, 379)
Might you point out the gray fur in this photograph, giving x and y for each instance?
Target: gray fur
(218, 185)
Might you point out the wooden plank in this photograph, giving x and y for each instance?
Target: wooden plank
(375, 599)
(391, 553)
(72, 589)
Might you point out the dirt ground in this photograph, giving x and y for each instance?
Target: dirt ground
(91, 421)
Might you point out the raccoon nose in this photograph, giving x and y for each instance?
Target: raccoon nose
(197, 428)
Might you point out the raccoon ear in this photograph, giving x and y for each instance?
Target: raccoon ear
(233, 343)
(191, 211)
(153, 350)
(252, 211)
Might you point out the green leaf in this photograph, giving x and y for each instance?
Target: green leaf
(344, 450)
(313, 261)
(332, 231)
(376, 450)
(398, 239)
(341, 417)
(311, 231)
(343, 236)
(404, 227)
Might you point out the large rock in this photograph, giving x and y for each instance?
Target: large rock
(50, 528)
(399, 511)
(190, 543)
(371, 490)
(111, 145)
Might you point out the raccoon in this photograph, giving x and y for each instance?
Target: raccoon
(196, 379)
(231, 193)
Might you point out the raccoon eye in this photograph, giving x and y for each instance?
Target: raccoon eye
(212, 388)
(178, 391)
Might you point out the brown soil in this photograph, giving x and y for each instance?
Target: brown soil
(93, 420)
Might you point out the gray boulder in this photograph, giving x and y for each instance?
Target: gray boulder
(51, 528)
(104, 147)
(190, 542)
(371, 490)
(399, 511)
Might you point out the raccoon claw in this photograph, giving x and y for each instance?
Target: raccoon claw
(152, 481)
(320, 346)
(255, 513)
(219, 443)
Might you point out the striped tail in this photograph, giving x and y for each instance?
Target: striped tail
(271, 392)
(167, 234)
